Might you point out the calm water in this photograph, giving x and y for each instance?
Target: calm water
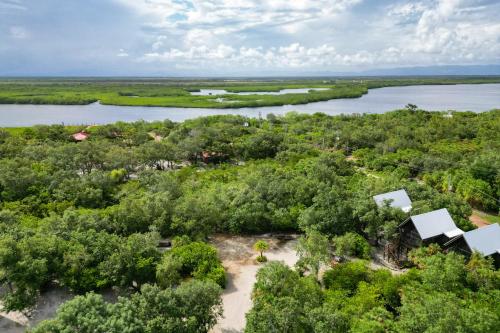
(480, 97)
(208, 92)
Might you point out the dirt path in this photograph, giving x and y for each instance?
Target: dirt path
(48, 303)
(12, 322)
(16, 322)
(477, 220)
(238, 258)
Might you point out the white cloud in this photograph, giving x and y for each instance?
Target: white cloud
(18, 32)
(9, 5)
(122, 53)
(246, 33)
(156, 8)
(294, 56)
(229, 16)
(256, 36)
(448, 30)
(406, 10)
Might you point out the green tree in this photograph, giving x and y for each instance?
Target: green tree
(377, 320)
(90, 313)
(352, 244)
(134, 262)
(331, 212)
(193, 307)
(26, 265)
(261, 246)
(313, 250)
(197, 260)
(346, 276)
(83, 254)
(282, 314)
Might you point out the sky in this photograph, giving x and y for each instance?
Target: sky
(242, 37)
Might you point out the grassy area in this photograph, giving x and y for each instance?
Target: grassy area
(150, 94)
(238, 101)
(19, 131)
(14, 131)
(177, 93)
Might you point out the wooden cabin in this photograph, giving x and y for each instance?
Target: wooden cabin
(424, 229)
(485, 240)
(396, 199)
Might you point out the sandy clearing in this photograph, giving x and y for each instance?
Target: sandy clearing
(238, 258)
(477, 220)
(48, 303)
(14, 316)
(16, 322)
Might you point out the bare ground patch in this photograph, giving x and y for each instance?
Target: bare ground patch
(477, 220)
(238, 258)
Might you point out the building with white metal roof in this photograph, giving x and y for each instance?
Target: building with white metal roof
(485, 240)
(435, 223)
(432, 227)
(396, 199)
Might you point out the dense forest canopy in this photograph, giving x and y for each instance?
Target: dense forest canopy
(88, 215)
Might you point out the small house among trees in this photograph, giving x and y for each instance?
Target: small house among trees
(424, 229)
(485, 240)
(80, 136)
(396, 199)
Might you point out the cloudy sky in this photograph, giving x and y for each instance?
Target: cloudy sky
(242, 37)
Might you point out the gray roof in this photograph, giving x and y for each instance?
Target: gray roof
(399, 199)
(434, 223)
(486, 240)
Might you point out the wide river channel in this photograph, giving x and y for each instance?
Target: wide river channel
(462, 97)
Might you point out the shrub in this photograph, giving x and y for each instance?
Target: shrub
(196, 260)
(352, 244)
(346, 276)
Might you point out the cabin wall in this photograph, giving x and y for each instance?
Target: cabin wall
(460, 246)
(496, 260)
(440, 240)
(408, 238)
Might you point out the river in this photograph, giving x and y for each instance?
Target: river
(463, 97)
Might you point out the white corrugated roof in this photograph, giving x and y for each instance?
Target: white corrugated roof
(485, 240)
(454, 233)
(398, 199)
(434, 223)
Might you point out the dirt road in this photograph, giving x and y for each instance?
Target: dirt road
(238, 258)
(477, 220)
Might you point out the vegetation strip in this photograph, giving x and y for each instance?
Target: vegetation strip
(169, 93)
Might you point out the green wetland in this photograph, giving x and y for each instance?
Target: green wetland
(177, 93)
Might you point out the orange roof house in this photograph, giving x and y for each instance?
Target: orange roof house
(80, 136)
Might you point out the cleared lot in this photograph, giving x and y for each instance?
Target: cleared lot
(238, 258)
